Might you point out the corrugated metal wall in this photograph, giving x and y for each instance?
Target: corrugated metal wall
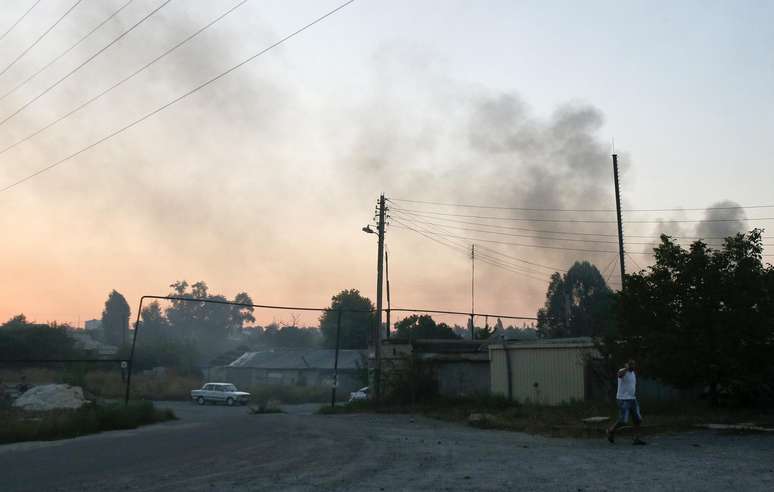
(545, 375)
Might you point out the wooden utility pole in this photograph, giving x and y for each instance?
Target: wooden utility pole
(377, 336)
(620, 223)
(472, 291)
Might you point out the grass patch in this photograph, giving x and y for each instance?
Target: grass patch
(17, 425)
(565, 420)
(289, 394)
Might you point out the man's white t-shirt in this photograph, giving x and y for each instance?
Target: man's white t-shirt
(627, 386)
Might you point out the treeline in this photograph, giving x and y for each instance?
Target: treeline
(699, 317)
(23, 340)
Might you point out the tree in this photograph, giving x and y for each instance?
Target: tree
(423, 326)
(578, 303)
(20, 339)
(115, 319)
(356, 325)
(153, 324)
(207, 324)
(701, 317)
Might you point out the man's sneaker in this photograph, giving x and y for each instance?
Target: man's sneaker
(639, 442)
(610, 437)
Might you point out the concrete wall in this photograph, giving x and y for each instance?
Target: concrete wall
(545, 374)
(244, 378)
(462, 378)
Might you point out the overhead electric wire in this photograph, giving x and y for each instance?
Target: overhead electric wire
(65, 52)
(575, 221)
(521, 260)
(177, 99)
(101, 50)
(464, 250)
(541, 231)
(19, 20)
(634, 261)
(493, 254)
(494, 207)
(39, 38)
(537, 246)
(125, 79)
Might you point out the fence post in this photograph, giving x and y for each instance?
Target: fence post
(336, 361)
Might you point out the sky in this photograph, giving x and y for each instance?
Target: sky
(261, 181)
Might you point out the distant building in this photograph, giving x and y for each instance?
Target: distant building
(92, 324)
(458, 367)
(301, 367)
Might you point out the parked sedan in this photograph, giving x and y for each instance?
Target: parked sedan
(220, 393)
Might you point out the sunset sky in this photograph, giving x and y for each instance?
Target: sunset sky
(262, 181)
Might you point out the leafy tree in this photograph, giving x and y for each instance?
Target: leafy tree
(207, 324)
(578, 303)
(20, 339)
(356, 325)
(115, 319)
(423, 326)
(701, 317)
(153, 325)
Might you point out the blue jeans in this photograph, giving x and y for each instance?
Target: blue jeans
(627, 407)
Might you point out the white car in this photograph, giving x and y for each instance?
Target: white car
(361, 394)
(220, 393)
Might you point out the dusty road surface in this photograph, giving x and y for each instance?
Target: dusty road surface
(220, 448)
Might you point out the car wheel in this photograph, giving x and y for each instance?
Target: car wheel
(200, 400)
(230, 402)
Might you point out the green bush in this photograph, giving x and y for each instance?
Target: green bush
(17, 425)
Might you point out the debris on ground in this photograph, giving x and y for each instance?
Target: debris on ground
(596, 420)
(51, 397)
(479, 418)
(749, 426)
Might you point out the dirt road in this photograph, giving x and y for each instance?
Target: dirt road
(220, 448)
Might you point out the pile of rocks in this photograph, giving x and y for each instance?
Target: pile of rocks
(51, 397)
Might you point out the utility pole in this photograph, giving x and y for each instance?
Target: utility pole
(377, 336)
(472, 291)
(620, 223)
(387, 273)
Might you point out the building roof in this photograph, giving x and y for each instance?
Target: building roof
(576, 342)
(301, 359)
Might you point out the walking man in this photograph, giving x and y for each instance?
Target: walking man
(627, 403)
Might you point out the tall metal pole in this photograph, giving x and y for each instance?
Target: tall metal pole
(336, 361)
(377, 338)
(472, 291)
(387, 274)
(620, 223)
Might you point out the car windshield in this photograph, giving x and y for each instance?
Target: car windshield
(229, 387)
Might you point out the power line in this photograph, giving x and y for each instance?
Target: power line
(574, 221)
(562, 248)
(65, 52)
(464, 250)
(114, 41)
(34, 43)
(521, 260)
(634, 261)
(417, 218)
(526, 209)
(19, 20)
(122, 81)
(176, 100)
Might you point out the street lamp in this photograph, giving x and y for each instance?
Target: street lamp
(367, 229)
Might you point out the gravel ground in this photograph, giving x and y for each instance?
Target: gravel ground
(222, 448)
